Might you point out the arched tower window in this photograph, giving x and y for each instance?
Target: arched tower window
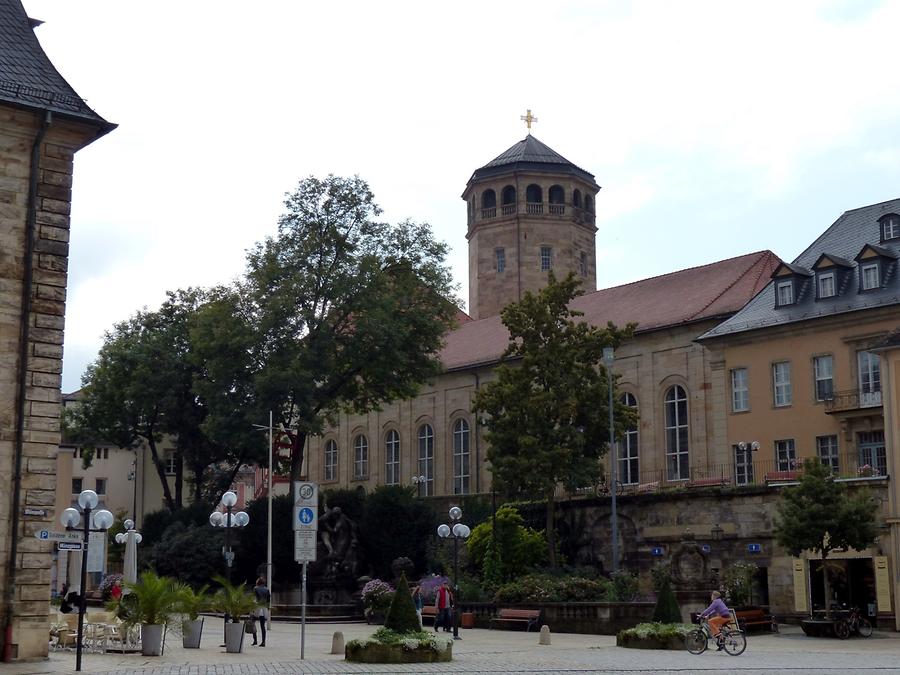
(534, 194)
(588, 204)
(426, 458)
(557, 197)
(331, 460)
(461, 457)
(576, 198)
(488, 199)
(508, 196)
(677, 467)
(628, 450)
(392, 458)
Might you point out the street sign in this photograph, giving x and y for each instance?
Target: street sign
(306, 507)
(305, 546)
(50, 535)
(70, 546)
(32, 511)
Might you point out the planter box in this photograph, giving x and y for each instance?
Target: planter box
(675, 643)
(818, 627)
(234, 637)
(376, 653)
(191, 633)
(151, 639)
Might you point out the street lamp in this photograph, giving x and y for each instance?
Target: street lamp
(102, 521)
(228, 520)
(131, 538)
(420, 482)
(608, 358)
(457, 532)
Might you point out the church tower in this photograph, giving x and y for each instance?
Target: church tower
(530, 210)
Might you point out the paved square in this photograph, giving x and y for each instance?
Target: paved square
(489, 651)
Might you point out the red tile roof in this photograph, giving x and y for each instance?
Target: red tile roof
(706, 292)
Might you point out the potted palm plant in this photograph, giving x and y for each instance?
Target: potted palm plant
(151, 602)
(237, 602)
(190, 604)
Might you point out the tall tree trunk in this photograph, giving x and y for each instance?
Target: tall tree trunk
(826, 584)
(160, 471)
(551, 527)
(297, 459)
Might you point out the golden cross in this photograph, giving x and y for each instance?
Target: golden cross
(528, 118)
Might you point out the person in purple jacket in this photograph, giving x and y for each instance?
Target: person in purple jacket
(717, 614)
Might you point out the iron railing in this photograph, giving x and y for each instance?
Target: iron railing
(852, 399)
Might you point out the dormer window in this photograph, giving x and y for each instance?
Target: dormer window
(825, 285)
(870, 276)
(890, 227)
(784, 293)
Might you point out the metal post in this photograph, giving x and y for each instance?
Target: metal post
(269, 526)
(303, 614)
(613, 486)
(82, 601)
(227, 559)
(456, 587)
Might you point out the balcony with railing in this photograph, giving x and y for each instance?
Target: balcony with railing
(579, 215)
(557, 209)
(852, 400)
(847, 467)
(489, 212)
(534, 208)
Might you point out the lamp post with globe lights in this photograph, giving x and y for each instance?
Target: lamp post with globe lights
(608, 359)
(131, 538)
(228, 520)
(102, 520)
(456, 532)
(419, 482)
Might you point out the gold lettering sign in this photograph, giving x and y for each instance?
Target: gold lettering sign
(799, 567)
(882, 583)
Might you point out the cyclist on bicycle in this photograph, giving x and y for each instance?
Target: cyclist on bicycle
(717, 615)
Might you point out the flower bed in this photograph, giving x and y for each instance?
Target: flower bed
(387, 646)
(654, 636)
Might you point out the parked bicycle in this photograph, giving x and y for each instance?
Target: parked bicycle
(698, 640)
(852, 622)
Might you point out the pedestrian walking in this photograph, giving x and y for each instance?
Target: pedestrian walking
(419, 602)
(263, 597)
(443, 603)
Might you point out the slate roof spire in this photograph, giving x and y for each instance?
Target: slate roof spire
(530, 154)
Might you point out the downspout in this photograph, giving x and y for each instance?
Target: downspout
(27, 280)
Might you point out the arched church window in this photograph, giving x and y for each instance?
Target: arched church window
(588, 204)
(628, 450)
(488, 199)
(556, 194)
(534, 194)
(508, 196)
(392, 458)
(331, 460)
(426, 458)
(576, 198)
(461, 457)
(360, 457)
(677, 434)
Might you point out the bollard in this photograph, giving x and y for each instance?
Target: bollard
(545, 636)
(337, 643)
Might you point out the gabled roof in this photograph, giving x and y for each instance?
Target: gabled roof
(530, 154)
(878, 250)
(27, 77)
(793, 269)
(687, 296)
(836, 260)
(846, 237)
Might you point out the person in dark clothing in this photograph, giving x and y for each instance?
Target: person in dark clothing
(263, 597)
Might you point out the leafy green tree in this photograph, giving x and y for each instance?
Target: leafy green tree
(822, 516)
(336, 312)
(517, 548)
(395, 524)
(189, 553)
(547, 411)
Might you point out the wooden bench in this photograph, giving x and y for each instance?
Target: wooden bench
(709, 482)
(429, 612)
(530, 617)
(755, 618)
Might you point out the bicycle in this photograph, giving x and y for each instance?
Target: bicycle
(733, 640)
(854, 622)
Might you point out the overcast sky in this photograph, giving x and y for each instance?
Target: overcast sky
(714, 128)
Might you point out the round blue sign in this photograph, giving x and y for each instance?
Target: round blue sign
(306, 515)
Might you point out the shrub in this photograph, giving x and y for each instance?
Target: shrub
(401, 616)
(667, 609)
(518, 548)
(738, 580)
(624, 586)
(654, 636)
(377, 596)
(545, 588)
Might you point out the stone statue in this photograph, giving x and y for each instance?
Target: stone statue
(338, 534)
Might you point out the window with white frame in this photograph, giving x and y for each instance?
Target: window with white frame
(360, 456)
(827, 451)
(871, 278)
(500, 259)
(740, 392)
(743, 464)
(392, 458)
(331, 459)
(677, 467)
(890, 227)
(170, 461)
(781, 380)
(869, 366)
(823, 369)
(461, 457)
(872, 454)
(826, 287)
(786, 454)
(426, 458)
(628, 447)
(546, 258)
(785, 293)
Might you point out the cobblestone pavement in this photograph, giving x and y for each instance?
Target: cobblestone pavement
(491, 652)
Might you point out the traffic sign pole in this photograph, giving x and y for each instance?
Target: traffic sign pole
(306, 524)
